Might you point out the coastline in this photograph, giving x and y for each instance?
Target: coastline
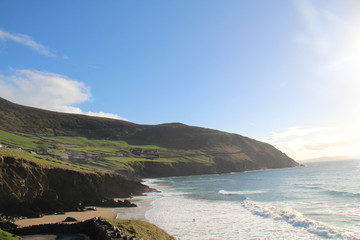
(131, 213)
(80, 216)
(144, 204)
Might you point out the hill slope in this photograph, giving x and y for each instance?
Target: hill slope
(144, 150)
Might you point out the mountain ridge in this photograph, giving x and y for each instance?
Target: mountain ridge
(217, 151)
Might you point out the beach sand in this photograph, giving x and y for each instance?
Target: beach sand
(138, 213)
(143, 204)
(80, 216)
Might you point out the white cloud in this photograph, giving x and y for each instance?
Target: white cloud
(48, 91)
(291, 132)
(306, 142)
(27, 41)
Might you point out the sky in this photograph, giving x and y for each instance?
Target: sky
(285, 72)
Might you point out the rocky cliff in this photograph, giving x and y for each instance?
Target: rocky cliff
(27, 188)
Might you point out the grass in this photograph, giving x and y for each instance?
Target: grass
(42, 160)
(8, 236)
(141, 229)
(83, 154)
(15, 140)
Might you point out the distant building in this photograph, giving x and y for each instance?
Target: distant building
(150, 151)
(136, 151)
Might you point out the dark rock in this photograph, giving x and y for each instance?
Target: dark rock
(70, 219)
(49, 195)
(90, 209)
(113, 203)
(96, 229)
(6, 223)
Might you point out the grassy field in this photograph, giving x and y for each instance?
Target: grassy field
(141, 229)
(43, 160)
(84, 154)
(7, 236)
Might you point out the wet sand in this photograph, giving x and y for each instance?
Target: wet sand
(136, 213)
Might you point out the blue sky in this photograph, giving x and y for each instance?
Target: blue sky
(283, 72)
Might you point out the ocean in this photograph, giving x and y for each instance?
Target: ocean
(318, 201)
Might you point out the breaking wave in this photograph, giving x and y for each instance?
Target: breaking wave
(224, 192)
(298, 220)
(343, 193)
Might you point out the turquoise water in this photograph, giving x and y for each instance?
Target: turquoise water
(318, 201)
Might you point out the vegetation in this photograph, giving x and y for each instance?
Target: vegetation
(141, 229)
(108, 144)
(8, 236)
(83, 154)
(42, 160)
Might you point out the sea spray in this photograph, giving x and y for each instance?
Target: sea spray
(298, 220)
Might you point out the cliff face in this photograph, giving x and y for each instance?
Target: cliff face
(28, 189)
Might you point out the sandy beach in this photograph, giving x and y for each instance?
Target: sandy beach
(143, 204)
(80, 216)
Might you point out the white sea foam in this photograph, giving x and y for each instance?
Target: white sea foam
(224, 192)
(192, 219)
(196, 219)
(317, 202)
(298, 220)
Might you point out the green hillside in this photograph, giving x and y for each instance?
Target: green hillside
(85, 154)
(90, 143)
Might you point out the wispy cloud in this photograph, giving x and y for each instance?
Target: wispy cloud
(26, 41)
(297, 131)
(312, 142)
(47, 90)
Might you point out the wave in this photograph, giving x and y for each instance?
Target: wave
(308, 186)
(297, 219)
(342, 193)
(333, 192)
(224, 192)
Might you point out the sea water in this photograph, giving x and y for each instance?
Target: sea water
(318, 201)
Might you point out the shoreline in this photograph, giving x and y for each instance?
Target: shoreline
(105, 212)
(132, 213)
(143, 202)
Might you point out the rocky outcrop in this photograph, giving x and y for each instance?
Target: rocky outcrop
(95, 229)
(29, 189)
